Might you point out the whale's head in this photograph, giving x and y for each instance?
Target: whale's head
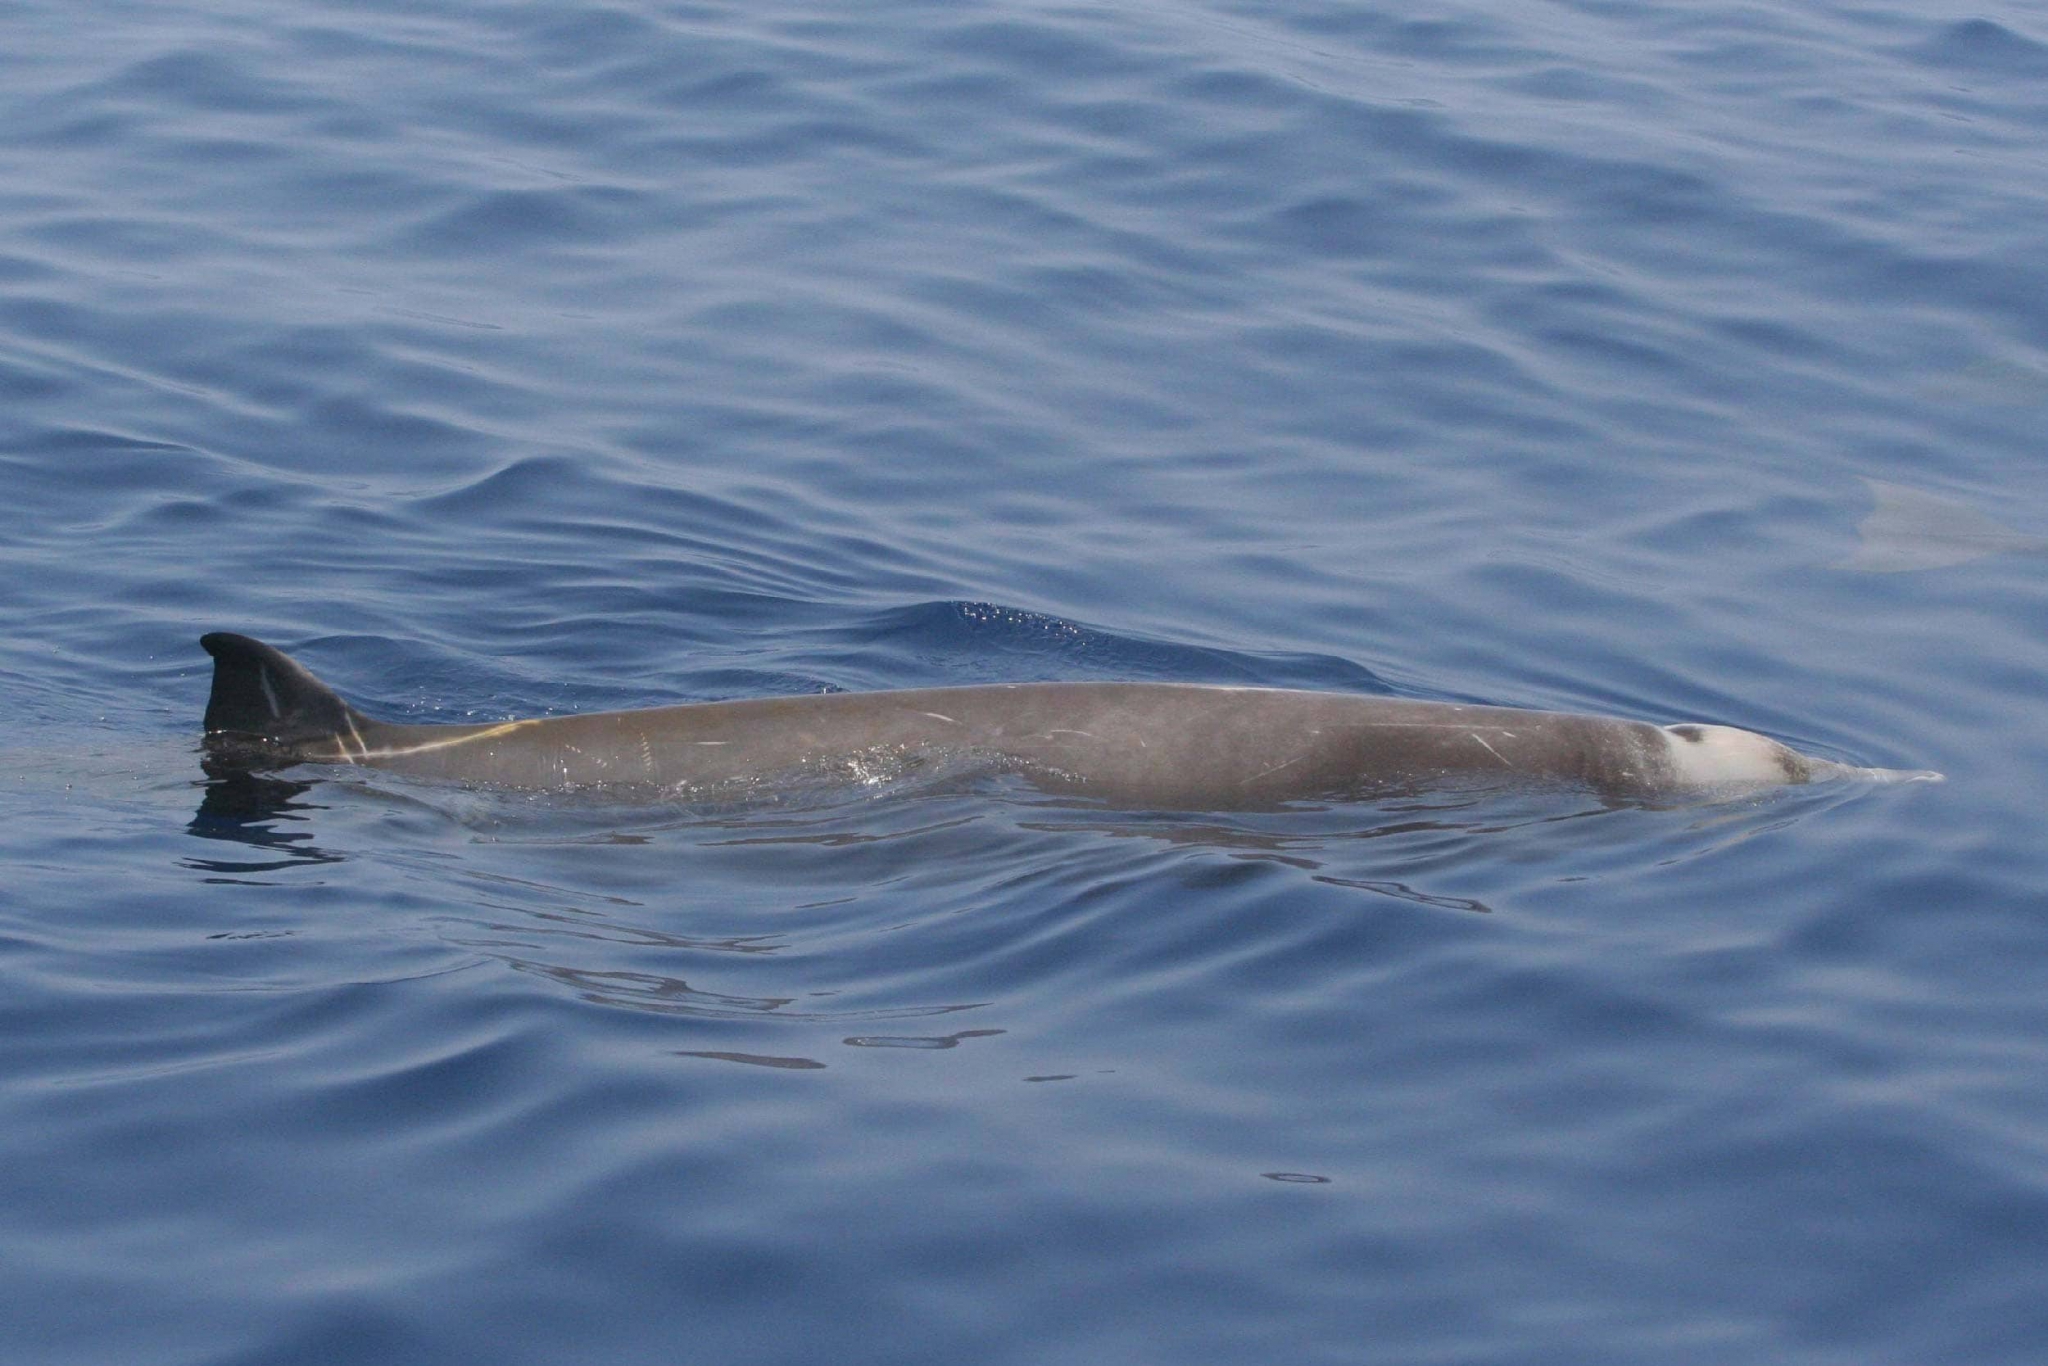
(1727, 758)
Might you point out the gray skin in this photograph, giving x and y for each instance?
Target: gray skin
(1130, 745)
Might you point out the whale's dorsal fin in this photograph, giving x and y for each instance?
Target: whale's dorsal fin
(265, 699)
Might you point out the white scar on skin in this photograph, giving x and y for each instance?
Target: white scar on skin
(431, 745)
(362, 747)
(936, 717)
(1429, 725)
(1490, 749)
(1274, 769)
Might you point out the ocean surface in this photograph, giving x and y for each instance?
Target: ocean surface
(511, 359)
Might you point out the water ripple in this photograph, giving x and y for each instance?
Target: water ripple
(528, 360)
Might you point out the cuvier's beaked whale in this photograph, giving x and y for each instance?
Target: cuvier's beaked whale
(1135, 745)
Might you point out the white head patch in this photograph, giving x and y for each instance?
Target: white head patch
(1723, 756)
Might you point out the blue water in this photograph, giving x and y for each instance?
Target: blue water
(515, 358)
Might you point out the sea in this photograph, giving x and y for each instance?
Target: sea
(509, 358)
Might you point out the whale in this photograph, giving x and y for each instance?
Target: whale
(1163, 746)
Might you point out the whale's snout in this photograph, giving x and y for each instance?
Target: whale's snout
(1706, 757)
(1856, 773)
(1894, 775)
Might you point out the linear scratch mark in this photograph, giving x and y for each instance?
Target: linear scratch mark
(1491, 750)
(1274, 769)
(361, 746)
(936, 717)
(488, 733)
